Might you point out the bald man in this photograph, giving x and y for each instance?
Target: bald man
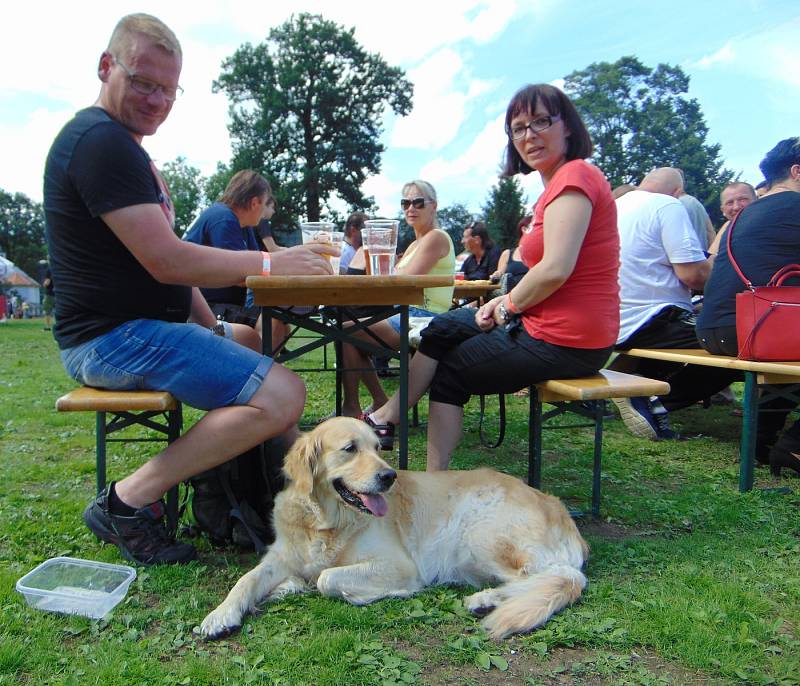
(661, 262)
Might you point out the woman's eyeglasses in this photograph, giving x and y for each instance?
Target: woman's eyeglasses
(418, 203)
(518, 132)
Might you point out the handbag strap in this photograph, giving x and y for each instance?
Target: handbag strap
(734, 263)
(787, 272)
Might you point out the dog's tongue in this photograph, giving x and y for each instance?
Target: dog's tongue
(374, 503)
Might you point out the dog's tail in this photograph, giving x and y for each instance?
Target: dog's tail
(530, 602)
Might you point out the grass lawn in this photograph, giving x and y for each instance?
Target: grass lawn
(691, 582)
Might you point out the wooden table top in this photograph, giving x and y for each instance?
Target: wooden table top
(465, 289)
(398, 289)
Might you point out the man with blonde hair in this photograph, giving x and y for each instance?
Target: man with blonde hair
(124, 287)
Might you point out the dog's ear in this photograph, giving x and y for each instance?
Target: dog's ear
(300, 464)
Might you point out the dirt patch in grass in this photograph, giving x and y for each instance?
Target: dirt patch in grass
(573, 666)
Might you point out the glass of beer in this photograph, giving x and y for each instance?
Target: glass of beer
(379, 237)
(323, 232)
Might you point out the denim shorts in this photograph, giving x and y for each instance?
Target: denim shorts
(412, 312)
(200, 369)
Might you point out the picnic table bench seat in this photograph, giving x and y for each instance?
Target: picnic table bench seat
(585, 397)
(117, 410)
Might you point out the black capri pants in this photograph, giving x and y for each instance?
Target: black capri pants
(502, 360)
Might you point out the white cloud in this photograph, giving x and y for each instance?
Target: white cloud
(25, 148)
(722, 56)
(386, 192)
(440, 107)
(473, 172)
(770, 55)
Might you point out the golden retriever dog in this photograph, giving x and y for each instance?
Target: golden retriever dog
(358, 530)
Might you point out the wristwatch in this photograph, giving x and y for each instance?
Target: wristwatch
(218, 329)
(505, 315)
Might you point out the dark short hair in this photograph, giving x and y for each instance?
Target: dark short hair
(759, 185)
(355, 222)
(777, 162)
(479, 230)
(579, 142)
(523, 224)
(243, 187)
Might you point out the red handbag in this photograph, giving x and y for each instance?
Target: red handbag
(767, 317)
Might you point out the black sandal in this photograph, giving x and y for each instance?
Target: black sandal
(384, 432)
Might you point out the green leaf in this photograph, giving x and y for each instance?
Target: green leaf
(499, 661)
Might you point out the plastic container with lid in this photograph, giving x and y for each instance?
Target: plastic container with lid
(76, 587)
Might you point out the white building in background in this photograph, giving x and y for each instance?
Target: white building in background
(17, 282)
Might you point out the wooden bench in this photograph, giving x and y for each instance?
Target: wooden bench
(118, 410)
(585, 397)
(763, 381)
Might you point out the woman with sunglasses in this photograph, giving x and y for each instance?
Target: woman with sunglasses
(431, 252)
(561, 319)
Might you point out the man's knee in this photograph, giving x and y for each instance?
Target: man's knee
(282, 395)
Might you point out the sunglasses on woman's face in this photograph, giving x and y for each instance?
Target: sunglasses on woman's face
(418, 203)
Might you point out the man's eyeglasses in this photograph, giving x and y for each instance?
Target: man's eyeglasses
(418, 203)
(147, 87)
(518, 131)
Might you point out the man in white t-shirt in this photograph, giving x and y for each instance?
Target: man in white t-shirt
(661, 262)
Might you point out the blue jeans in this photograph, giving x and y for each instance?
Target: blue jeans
(200, 369)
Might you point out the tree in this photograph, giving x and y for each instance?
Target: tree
(641, 118)
(504, 207)
(306, 111)
(186, 190)
(22, 236)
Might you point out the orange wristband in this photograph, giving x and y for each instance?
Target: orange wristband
(266, 264)
(510, 306)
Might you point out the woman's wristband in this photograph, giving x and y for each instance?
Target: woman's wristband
(510, 306)
(266, 267)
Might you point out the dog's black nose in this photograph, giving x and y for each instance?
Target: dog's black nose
(386, 478)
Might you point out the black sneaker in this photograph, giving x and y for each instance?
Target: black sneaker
(141, 538)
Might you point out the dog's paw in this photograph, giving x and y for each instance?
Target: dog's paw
(219, 624)
(481, 603)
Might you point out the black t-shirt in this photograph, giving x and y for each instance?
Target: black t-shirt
(95, 166)
(765, 238)
(481, 271)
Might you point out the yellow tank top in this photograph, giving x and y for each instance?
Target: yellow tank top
(438, 299)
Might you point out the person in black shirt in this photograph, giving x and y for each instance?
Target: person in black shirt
(765, 238)
(482, 263)
(126, 284)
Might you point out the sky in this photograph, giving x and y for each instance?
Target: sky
(466, 59)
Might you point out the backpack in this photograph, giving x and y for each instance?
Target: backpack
(232, 503)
